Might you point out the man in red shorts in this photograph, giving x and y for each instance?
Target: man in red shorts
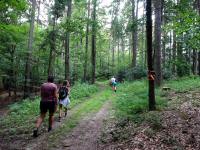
(48, 103)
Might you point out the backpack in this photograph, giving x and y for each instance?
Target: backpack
(63, 92)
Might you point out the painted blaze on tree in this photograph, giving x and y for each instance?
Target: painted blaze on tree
(151, 74)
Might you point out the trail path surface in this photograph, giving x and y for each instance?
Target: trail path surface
(85, 136)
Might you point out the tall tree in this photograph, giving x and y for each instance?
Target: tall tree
(86, 42)
(67, 44)
(198, 4)
(30, 49)
(52, 42)
(157, 42)
(151, 74)
(93, 53)
(57, 12)
(174, 47)
(134, 32)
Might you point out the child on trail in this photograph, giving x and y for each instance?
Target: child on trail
(48, 103)
(64, 97)
(114, 84)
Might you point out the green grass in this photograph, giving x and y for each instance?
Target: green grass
(184, 83)
(132, 100)
(22, 116)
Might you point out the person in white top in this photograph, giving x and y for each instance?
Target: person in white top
(113, 79)
(113, 83)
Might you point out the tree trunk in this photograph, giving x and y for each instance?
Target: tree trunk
(179, 56)
(93, 53)
(86, 44)
(13, 71)
(194, 62)
(143, 40)
(52, 50)
(149, 56)
(134, 33)
(113, 54)
(67, 43)
(118, 57)
(75, 68)
(38, 16)
(30, 48)
(199, 63)
(199, 51)
(174, 53)
(157, 42)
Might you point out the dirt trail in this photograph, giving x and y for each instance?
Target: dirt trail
(41, 141)
(86, 135)
(83, 137)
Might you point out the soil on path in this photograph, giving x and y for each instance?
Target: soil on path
(86, 135)
(83, 137)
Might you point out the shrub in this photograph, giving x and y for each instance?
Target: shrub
(137, 72)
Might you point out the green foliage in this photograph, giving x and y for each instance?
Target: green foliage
(137, 72)
(183, 67)
(153, 118)
(167, 74)
(184, 83)
(132, 101)
(11, 10)
(79, 91)
(20, 115)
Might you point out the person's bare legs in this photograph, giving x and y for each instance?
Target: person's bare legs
(60, 111)
(38, 123)
(51, 119)
(40, 120)
(65, 111)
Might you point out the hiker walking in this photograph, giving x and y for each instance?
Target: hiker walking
(64, 98)
(48, 103)
(113, 83)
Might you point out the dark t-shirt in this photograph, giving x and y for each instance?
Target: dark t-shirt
(48, 91)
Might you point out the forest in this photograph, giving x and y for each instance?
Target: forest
(151, 47)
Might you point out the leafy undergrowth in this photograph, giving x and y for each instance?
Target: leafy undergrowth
(22, 116)
(173, 126)
(184, 84)
(132, 101)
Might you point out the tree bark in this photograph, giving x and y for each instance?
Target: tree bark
(52, 43)
(194, 64)
(157, 42)
(199, 51)
(86, 44)
(67, 43)
(149, 56)
(38, 16)
(93, 53)
(174, 53)
(30, 49)
(134, 33)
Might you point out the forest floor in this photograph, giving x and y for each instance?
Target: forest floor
(174, 128)
(92, 125)
(6, 100)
